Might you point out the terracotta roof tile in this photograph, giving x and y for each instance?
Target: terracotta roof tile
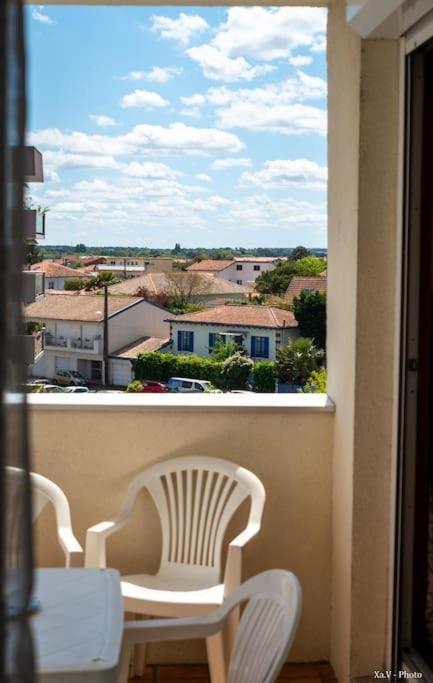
(299, 284)
(210, 265)
(162, 283)
(52, 269)
(142, 345)
(238, 315)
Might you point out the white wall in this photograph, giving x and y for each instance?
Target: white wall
(201, 337)
(58, 282)
(141, 320)
(247, 274)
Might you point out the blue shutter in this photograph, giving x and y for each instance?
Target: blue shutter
(211, 340)
(253, 346)
(191, 341)
(266, 347)
(223, 338)
(179, 340)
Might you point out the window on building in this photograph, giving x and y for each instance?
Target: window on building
(260, 347)
(256, 267)
(239, 266)
(238, 282)
(214, 337)
(51, 285)
(185, 340)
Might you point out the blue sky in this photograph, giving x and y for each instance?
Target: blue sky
(204, 126)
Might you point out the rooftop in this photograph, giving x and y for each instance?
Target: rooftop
(210, 265)
(86, 308)
(159, 283)
(246, 316)
(298, 284)
(258, 259)
(52, 269)
(142, 345)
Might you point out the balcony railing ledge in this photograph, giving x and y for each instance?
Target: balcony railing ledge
(304, 403)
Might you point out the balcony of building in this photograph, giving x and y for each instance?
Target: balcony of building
(74, 344)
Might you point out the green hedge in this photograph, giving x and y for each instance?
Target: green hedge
(161, 366)
(264, 376)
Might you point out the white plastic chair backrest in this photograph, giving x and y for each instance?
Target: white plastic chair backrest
(267, 628)
(196, 497)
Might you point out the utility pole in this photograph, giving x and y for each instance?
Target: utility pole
(105, 378)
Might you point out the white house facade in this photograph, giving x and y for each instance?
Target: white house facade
(243, 271)
(74, 333)
(56, 274)
(261, 330)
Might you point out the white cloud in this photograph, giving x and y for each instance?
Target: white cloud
(143, 98)
(222, 164)
(142, 139)
(300, 60)
(102, 120)
(291, 119)
(270, 33)
(39, 15)
(54, 160)
(300, 173)
(193, 100)
(150, 169)
(180, 30)
(219, 67)
(203, 177)
(156, 74)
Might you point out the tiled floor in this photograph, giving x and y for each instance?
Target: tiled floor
(293, 673)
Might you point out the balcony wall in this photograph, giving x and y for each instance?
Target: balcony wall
(92, 452)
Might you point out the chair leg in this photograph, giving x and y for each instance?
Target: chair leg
(229, 634)
(125, 663)
(216, 658)
(139, 655)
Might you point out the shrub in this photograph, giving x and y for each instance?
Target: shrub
(161, 366)
(264, 376)
(135, 387)
(316, 383)
(297, 360)
(221, 351)
(74, 284)
(235, 371)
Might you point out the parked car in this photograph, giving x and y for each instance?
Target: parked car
(39, 380)
(70, 378)
(186, 386)
(76, 390)
(151, 387)
(52, 389)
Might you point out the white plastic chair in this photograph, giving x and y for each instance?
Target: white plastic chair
(45, 491)
(196, 497)
(264, 637)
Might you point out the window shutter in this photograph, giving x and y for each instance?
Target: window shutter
(191, 341)
(253, 346)
(179, 340)
(211, 340)
(266, 347)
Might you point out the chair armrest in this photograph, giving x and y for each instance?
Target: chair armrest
(95, 555)
(71, 548)
(233, 569)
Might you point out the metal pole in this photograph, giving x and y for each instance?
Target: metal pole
(105, 378)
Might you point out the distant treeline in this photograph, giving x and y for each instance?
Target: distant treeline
(59, 250)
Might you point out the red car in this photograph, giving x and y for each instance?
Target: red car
(154, 388)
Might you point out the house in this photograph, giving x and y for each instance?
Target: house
(244, 270)
(56, 274)
(261, 330)
(74, 333)
(200, 288)
(300, 284)
(131, 266)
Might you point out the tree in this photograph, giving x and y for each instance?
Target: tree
(310, 312)
(177, 248)
(276, 281)
(181, 288)
(221, 351)
(101, 279)
(75, 284)
(310, 266)
(80, 248)
(298, 253)
(33, 254)
(297, 360)
(235, 371)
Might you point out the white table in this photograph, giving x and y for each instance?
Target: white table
(78, 627)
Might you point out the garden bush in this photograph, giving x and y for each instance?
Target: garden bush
(297, 360)
(135, 387)
(316, 383)
(235, 371)
(264, 376)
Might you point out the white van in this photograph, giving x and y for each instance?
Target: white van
(186, 385)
